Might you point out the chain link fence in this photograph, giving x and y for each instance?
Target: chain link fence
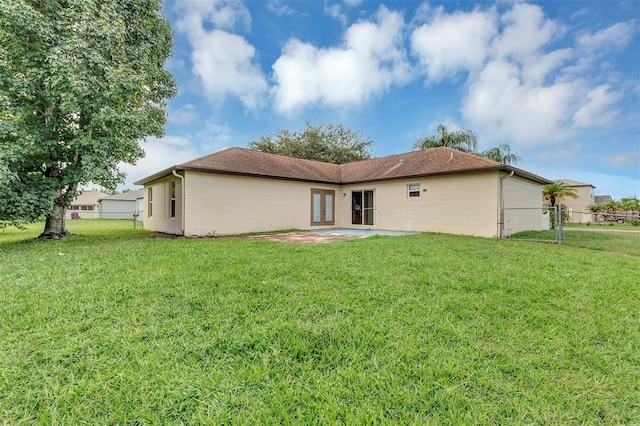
(533, 224)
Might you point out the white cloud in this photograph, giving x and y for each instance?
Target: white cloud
(279, 9)
(567, 153)
(223, 14)
(335, 11)
(499, 103)
(449, 44)
(352, 3)
(160, 154)
(615, 36)
(370, 60)
(225, 62)
(517, 87)
(596, 111)
(525, 32)
(185, 114)
(628, 160)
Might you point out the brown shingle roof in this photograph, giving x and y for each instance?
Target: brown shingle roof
(256, 163)
(436, 161)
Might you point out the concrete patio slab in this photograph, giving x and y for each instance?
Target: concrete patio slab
(326, 235)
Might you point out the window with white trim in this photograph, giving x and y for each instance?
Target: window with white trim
(149, 202)
(413, 190)
(172, 199)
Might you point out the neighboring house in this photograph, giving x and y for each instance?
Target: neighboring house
(577, 207)
(237, 191)
(86, 205)
(601, 199)
(120, 206)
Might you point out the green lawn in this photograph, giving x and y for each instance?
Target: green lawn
(114, 326)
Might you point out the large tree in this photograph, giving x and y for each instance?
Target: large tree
(465, 140)
(82, 82)
(331, 143)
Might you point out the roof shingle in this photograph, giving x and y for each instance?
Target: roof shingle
(436, 161)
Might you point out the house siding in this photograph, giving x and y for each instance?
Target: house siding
(522, 200)
(457, 204)
(226, 204)
(160, 220)
(218, 204)
(577, 207)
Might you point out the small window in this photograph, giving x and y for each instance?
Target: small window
(149, 202)
(172, 201)
(413, 190)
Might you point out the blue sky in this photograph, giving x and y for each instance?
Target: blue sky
(559, 81)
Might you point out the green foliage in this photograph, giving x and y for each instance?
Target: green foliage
(465, 140)
(331, 143)
(556, 191)
(502, 154)
(81, 83)
(596, 208)
(630, 204)
(240, 331)
(462, 140)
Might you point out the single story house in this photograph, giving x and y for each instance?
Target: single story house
(86, 205)
(121, 206)
(238, 190)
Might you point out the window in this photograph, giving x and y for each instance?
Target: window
(149, 202)
(172, 201)
(413, 190)
(86, 208)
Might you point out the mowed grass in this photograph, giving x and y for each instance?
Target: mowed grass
(115, 326)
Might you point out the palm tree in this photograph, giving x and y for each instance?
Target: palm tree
(462, 140)
(502, 154)
(630, 204)
(465, 140)
(556, 191)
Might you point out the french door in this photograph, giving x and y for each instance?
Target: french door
(323, 207)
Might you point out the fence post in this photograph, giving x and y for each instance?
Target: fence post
(558, 224)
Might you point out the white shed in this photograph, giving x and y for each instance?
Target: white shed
(120, 206)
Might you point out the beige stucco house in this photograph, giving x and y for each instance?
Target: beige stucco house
(577, 207)
(238, 190)
(86, 205)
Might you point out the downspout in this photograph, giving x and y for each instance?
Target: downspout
(501, 220)
(182, 196)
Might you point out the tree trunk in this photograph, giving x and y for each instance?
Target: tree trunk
(54, 227)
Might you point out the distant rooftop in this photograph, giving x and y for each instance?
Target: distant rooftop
(576, 183)
(599, 199)
(129, 195)
(88, 198)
